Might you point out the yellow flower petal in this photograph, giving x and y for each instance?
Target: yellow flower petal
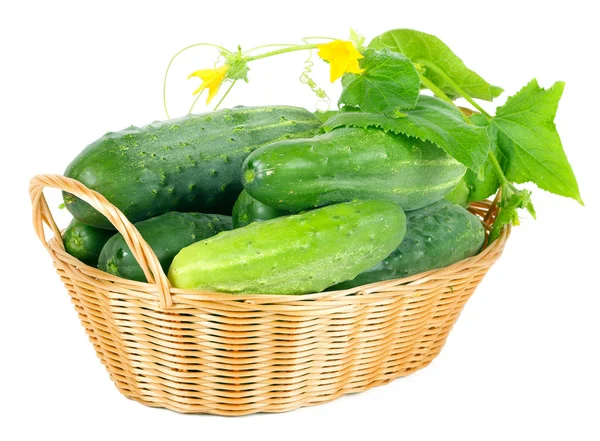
(342, 57)
(211, 80)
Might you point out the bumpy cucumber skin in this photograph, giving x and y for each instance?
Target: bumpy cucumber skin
(436, 236)
(293, 254)
(347, 164)
(186, 164)
(84, 242)
(166, 235)
(247, 210)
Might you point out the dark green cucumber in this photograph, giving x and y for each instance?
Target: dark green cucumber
(84, 242)
(247, 210)
(293, 254)
(436, 236)
(167, 235)
(347, 164)
(186, 164)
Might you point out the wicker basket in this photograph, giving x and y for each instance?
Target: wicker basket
(202, 352)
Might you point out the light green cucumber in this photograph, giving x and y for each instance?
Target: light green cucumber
(293, 254)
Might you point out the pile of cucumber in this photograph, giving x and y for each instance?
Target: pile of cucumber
(262, 200)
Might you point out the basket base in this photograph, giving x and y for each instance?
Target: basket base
(247, 409)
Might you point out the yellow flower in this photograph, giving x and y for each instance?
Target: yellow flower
(342, 57)
(211, 80)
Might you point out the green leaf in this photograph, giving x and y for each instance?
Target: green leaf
(460, 194)
(442, 66)
(480, 189)
(526, 135)
(390, 83)
(512, 200)
(324, 115)
(431, 120)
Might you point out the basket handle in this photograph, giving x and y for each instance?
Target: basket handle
(141, 251)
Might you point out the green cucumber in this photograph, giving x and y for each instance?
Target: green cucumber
(189, 164)
(294, 254)
(436, 236)
(347, 164)
(166, 235)
(84, 242)
(247, 210)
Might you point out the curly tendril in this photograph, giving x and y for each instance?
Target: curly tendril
(305, 78)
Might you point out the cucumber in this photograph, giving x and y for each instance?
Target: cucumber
(84, 242)
(347, 164)
(436, 236)
(185, 164)
(247, 210)
(166, 235)
(293, 254)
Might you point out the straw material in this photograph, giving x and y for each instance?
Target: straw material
(202, 352)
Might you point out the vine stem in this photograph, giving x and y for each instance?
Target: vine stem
(455, 86)
(283, 51)
(194, 103)
(225, 94)
(493, 208)
(269, 45)
(441, 95)
(221, 48)
(288, 44)
(497, 168)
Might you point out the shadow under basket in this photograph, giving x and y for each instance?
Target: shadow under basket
(202, 352)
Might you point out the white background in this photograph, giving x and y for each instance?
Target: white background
(522, 361)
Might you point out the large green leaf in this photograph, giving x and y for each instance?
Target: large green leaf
(525, 133)
(480, 189)
(431, 120)
(389, 83)
(442, 66)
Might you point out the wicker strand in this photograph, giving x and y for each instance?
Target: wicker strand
(140, 250)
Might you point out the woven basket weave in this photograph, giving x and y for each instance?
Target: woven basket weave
(202, 352)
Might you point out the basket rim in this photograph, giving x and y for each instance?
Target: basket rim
(496, 247)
